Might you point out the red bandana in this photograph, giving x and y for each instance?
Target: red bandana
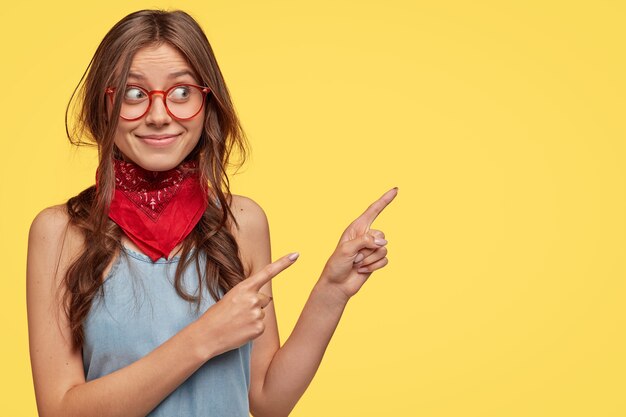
(157, 209)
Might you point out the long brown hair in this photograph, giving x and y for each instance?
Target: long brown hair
(222, 131)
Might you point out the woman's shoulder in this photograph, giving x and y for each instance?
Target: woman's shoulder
(252, 233)
(51, 231)
(50, 220)
(248, 213)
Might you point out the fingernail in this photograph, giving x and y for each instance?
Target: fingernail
(359, 258)
(293, 256)
(362, 270)
(380, 241)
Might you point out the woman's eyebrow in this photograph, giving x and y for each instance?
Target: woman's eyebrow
(172, 75)
(180, 74)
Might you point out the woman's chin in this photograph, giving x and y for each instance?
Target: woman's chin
(157, 162)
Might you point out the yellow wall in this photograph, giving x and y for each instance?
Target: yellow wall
(502, 123)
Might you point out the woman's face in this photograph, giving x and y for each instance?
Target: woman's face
(157, 141)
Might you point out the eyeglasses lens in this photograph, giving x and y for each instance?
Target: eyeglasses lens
(183, 101)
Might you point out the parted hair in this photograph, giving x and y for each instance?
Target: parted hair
(91, 126)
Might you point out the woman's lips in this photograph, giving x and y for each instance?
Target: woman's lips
(158, 140)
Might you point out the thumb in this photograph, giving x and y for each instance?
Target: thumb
(265, 299)
(351, 248)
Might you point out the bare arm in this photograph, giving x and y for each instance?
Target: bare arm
(294, 365)
(139, 387)
(60, 386)
(281, 378)
(58, 373)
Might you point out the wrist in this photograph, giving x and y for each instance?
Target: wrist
(202, 346)
(331, 293)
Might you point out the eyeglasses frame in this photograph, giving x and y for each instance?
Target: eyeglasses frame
(205, 90)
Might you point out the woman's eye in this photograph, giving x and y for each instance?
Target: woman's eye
(180, 93)
(134, 93)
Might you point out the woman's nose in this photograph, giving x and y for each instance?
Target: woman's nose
(157, 114)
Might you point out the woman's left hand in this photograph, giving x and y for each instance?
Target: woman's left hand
(360, 251)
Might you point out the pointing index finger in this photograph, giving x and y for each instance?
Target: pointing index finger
(377, 207)
(266, 274)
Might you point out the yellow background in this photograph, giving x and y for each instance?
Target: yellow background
(502, 124)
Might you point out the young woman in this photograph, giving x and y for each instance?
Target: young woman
(150, 293)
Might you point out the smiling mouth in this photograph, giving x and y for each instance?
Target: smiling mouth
(157, 137)
(159, 140)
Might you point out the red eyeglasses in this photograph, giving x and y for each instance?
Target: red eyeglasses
(182, 101)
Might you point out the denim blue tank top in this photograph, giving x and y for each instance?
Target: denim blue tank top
(139, 311)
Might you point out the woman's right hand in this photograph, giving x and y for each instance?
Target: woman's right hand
(238, 317)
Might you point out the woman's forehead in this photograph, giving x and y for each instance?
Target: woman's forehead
(159, 61)
(163, 56)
